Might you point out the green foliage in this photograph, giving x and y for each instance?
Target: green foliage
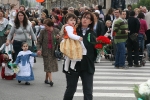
(142, 3)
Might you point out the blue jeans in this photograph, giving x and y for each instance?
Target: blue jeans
(120, 54)
(141, 41)
(148, 50)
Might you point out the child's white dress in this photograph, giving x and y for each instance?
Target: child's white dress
(23, 62)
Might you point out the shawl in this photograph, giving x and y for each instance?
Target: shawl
(3, 24)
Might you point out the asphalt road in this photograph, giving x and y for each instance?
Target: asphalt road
(109, 83)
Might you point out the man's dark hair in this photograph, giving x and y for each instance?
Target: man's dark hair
(130, 6)
(132, 13)
(46, 12)
(76, 12)
(100, 7)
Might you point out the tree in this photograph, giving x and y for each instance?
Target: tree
(142, 3)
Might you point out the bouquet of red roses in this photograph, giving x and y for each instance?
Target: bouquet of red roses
(101, 42)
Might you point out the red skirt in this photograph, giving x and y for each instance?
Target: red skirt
(11, 77)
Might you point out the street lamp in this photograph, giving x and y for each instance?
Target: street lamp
(60, 4)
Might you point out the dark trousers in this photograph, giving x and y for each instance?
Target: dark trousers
(17, 45)
(148, 37)
(132, 46)
(87, 83)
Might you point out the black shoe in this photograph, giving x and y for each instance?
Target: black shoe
(51, 83)
(66, 72)
(46, 82)
(137, 65)
(27, 83)
(130, 65)
(19, 81)
(72, 70)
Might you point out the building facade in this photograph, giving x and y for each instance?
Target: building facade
(6, 3)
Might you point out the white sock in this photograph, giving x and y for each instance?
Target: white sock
(66, 66)
(72, 66)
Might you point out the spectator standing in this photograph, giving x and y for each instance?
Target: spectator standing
(98, 9)
(142, 31)
(110, 15)
(134, 27)
(121, 29)
(147, 18)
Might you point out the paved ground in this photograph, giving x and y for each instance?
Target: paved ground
(109, 83)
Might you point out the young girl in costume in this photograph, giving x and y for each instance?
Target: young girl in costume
(23, 62)
(71, 45)
(6, 72)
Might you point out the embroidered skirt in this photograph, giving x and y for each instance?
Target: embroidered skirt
(71, 48)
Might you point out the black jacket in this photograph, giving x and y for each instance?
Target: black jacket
(133, 25)
(87, 62)
(116, 4)
(107, 17)
(100, 28)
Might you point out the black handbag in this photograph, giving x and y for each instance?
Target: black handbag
(57, 53)
(133, 36)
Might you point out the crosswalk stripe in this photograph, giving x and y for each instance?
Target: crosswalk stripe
(109, 95)
(108, 88)
(118, 77)
(112, 66)
(124, 70)
(107, 61)
(120, 73)
(114, 82)
(107, 78)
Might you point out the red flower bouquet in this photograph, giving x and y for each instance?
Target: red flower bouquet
(101, 41)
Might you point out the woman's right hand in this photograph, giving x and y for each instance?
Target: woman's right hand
(7, 42)
(39, 52)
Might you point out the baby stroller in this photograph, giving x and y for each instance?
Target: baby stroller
(142, 55)
(109, 52)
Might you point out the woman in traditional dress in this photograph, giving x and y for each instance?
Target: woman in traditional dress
(23, 62)
(3, 28)
(47, 44)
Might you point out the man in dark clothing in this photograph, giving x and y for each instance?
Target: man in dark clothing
(133, 46)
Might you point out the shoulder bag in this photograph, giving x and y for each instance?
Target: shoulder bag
(133, 36)
(57, 53)
(28, 40)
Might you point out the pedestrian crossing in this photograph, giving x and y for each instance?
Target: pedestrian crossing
(116, 84)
